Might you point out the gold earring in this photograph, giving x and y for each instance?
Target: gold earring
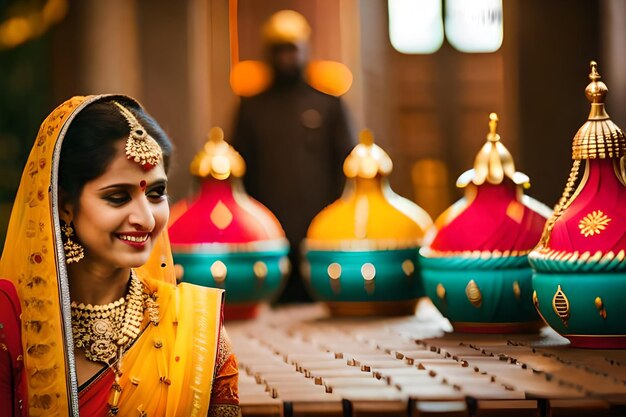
(74, 251)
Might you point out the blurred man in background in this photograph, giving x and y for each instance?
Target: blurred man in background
(294, 139)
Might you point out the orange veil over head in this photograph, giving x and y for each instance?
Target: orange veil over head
(34, 260)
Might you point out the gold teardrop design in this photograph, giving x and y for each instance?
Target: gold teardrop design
(334, 273)
(284, 265)
(535, 300)
(221, 216)
(600, 306)
(334, 270)
(219, 271)
(408, 267)
(473, 294)
(368, 272)
(260, 270)
(560, 304)
(441, 291)
(517, 290)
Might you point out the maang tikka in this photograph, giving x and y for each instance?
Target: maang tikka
(140, 146)
(74, 251)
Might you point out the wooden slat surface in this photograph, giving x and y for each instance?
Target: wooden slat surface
(297, 361)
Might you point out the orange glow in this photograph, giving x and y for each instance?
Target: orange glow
(329, 77)
(248, 78)
(14, 32)
(19, 29)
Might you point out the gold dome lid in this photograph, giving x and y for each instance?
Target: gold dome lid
(217, 159)
(368, 215)
(493, 162)
(367, 159)
(599, 137)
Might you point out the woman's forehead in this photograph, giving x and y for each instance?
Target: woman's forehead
(125, 171)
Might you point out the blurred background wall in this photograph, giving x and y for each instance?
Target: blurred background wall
(428, 111)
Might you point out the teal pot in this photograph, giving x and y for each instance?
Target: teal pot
(250, 278)
(357, 283)
(482, 294)
(582, 298)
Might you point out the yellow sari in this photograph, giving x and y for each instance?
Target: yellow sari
(169, 369)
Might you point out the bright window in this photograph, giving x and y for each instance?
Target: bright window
(415, 26)
(474, 26)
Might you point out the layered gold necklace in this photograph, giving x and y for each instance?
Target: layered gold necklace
(101, 330)
(104, 332)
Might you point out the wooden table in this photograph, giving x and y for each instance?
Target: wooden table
(298, 361)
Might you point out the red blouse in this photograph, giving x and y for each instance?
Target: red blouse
(12, 380)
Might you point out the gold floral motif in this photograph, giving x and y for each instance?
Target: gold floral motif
(560, 304)
(593, 223)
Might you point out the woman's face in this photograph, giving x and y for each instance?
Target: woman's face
(121, 213)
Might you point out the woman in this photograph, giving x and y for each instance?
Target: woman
(104, 330)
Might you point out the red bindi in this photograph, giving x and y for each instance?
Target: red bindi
(142, 184)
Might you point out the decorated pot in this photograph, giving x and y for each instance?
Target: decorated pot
(580, 271)
(361, 250)
(224, 238)
(475, 262)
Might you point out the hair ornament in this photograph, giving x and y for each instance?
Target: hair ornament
(140, 146)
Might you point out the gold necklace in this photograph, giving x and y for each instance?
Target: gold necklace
(102, 330)
(106, 331)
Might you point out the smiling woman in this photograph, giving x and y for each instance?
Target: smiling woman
(88, 254)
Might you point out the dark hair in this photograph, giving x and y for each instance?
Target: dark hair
(89, 145)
